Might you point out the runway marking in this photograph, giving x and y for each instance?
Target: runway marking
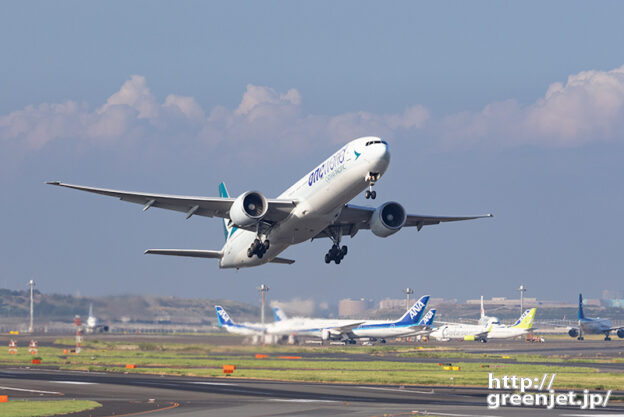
(169, 407)
(74, 382)
(300, 400)
(211, 383)
(31, 390)
(399, 390)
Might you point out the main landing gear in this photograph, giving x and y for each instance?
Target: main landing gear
(259, 248)
(371, 178)
(336, 253)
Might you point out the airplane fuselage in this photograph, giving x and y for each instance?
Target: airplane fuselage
(320, 196)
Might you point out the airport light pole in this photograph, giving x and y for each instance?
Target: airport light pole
(31, 283)
(522, 290)
(408, 291)
(263, 289)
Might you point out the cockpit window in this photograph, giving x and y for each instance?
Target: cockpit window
(370, 142)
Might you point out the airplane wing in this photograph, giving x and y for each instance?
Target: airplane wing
(191, 205)
(353, 218)
(346, 329)
(192, 253)
(279, 260)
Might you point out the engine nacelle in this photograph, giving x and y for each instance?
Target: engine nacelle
(325, 334)
(573, 332)
(620, 333)
(248, 209)
(387, 219)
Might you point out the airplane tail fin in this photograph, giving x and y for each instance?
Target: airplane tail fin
(427, 320)
(91, 310)
(482, 309)
(223, 317)
(581, 314)
(526, 319)
(279, 314)
(227, 229)
(414, 314)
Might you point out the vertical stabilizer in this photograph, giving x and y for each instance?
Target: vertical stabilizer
(279, 314)
(526, 319)
(427, 320)
(414, 314)
(223, 317)
(482, 309)
(581, 315)
(91, 310)
(227, 229)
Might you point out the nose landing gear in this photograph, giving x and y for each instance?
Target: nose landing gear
(371, 178)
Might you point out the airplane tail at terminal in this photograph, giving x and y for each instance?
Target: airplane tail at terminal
(227, 229)
(427, 320)
(581, 314)
(279, 314)
(414, 314)
(223, 317)
(526, 319)
(91, 310)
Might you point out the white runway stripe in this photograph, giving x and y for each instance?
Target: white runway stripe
(36, 391)
(74, 382)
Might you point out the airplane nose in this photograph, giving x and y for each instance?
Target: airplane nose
(380, 157)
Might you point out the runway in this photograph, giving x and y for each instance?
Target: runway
(190, 397)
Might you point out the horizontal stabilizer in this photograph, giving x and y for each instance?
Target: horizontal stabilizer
(192, 253)
(282, 261)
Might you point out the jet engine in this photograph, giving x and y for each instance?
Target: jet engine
(620, 333)
(248, 209)
(325, 334)
(575, 333)
(387, 219)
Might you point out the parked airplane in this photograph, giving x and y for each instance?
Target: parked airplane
(468, 332)
(588, 325)
(93, 325)
(314, 207)
(521, 327)
(487, 320)
(349, 330)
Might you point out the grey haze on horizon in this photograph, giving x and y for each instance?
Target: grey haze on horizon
(488, 107)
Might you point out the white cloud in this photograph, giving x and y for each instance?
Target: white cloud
(588, 107)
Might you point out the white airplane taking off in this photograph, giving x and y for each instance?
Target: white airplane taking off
(257, 229)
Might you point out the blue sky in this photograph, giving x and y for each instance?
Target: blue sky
(503, 107)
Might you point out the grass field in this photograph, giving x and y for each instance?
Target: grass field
(207, 361)
(20, 408)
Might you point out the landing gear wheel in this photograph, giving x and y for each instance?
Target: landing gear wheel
(344, 250)
(267, 244)
(373, 194)
(607, 338)
(260, 255)
(337, 261)
(250, 253)
(367, 194)
(327, 258)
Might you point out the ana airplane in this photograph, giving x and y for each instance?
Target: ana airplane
(257, 229)
(349, 330)
(588, 325)
(93, 325)
(521, 327)
(487, 320)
